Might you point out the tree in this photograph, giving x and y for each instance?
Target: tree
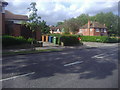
(34, 22)
(71, 25)
(83, 19)
(59, 23)
(110, 20)
(44, 28)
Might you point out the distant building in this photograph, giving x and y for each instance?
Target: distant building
(54, 29)
(93, 29)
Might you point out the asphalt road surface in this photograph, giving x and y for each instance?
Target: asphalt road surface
(94, 67)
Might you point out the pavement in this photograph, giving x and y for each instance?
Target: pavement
(46, 45)
(95, 66)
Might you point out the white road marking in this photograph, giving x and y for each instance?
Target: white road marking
(99, 56)
(16, 76)
(73, 63)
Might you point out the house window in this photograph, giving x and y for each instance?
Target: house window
(91, 30)
(102, 30)
(58, 30)
(105, 30)
(97, 30)
(80, 30)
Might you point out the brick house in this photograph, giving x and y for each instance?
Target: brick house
(93, 29)
(11, 25)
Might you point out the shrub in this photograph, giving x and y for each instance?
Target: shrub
(30, 40)
(11, 40)
(69, 40)
(112, 40)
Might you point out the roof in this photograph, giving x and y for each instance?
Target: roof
(54, 27)
(94, 24)
(10, 16)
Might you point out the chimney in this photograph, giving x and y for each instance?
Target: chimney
(93, 24)
(88, 23)
(104, 25)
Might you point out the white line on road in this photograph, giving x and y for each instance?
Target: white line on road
(17, 76)
(73, 63)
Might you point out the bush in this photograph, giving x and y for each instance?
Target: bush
(11, 40)
(103, 39)
(69, 40)
(112, 40)
(30, 40)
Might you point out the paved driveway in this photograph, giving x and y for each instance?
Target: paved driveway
(95, 67)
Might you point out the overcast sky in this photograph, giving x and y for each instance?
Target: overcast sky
(53, 11)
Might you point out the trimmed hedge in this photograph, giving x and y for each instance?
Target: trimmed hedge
(103, 39)
(11, 40)
(67, 39)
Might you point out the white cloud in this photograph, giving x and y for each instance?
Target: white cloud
(58, 10)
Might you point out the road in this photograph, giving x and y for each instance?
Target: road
(93, 67)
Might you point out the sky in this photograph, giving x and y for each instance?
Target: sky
(53, 11)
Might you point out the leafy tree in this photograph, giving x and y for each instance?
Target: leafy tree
(73, 25)
(59, 23)
(34, 22)
(82, 19)
(110, 20)
(44, 28)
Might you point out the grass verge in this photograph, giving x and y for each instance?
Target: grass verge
(29, 52)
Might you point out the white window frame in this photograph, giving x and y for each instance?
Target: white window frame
(81, 30)
(97, 30)
(105, 30)
(91, 30)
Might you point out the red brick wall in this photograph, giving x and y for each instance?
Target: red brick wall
(85, 32)
(91, 32)
(96, 33)
(16, 30)
(38, 35)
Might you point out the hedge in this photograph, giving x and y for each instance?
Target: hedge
(11, 40)
(103, 39)
(67, 39)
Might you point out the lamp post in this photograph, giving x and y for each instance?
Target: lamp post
(3, 4)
